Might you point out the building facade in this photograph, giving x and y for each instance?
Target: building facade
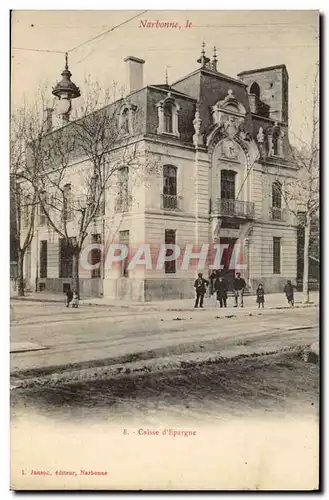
(222, 148)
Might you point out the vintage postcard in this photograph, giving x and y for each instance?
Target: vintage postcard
(164, 274)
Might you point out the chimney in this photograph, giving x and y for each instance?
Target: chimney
(134, 73)
(48, 119)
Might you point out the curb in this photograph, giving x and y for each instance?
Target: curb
(108, 362)
(147, 308)
(143, 367)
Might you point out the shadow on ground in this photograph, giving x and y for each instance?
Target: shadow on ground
(279, 383)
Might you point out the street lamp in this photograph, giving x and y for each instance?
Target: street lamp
(65, 91)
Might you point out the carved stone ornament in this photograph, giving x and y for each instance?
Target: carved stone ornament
(229, 150)
(197, 137)
(260, 135)
(231, 126)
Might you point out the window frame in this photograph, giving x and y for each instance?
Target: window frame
(233, 174)
(124, 238)
(43, 259)
(170, 266)
(96, 256)
(275, 255)
(168, 116)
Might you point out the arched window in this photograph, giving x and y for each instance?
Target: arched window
(169, 187)
(168, 110)
(276, 140)
(255, 89)
(168, 118)
(227, 184)
(232, 107)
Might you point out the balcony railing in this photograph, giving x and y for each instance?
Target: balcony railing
(123, 204)
(278, 214)
(171, 202)
(235, 208)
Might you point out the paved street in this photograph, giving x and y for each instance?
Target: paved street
(66, 336)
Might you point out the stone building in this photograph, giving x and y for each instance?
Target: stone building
(222, 143)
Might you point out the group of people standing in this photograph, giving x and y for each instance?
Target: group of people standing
(218, 285)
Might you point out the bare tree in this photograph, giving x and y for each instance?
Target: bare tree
(302, 193)
(28, 126)
(91, 163)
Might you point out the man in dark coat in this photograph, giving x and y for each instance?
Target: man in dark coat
(289, 291)
(200, 285)
(221, 291)
(212, 279)
(238, 288)
(69, 297)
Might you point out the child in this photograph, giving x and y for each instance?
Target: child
(75, 301)
(260, 295)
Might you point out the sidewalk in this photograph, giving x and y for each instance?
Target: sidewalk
(272, 301)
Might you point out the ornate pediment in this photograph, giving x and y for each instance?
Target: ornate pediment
(229, 112)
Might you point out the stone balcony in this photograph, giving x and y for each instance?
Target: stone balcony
(234, 208)
(171, 202)
(278, 214)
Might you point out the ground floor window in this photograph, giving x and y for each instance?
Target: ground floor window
(276, 255)
(65, 259)
(124, 240)
(170, 239)
(96, 256)
(43, 259)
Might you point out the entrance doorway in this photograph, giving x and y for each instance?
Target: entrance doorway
(227, 263)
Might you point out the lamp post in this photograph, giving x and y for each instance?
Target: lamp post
(65, 91)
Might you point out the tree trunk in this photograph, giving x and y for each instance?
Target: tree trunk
(307, 233)
(20, 273)
(75, 273)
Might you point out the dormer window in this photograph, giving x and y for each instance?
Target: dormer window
(168, 111)
(168, 118)
(276, 141)
(125, 121)
(226, 107)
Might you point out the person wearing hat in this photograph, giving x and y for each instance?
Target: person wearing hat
(200, 285)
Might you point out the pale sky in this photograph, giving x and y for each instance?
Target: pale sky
(244, 39)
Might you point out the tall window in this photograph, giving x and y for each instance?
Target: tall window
(276, 194)
(276, 209)
(168, 118)
(67, 202)
(96, 256)
(43, 259)
(254, 89)
(26, 209)
(170, 239)
(125, 120)
(276, 255)
(276, 140)
(123, 190)
(66, 259)
(42, 215)
(227, 184)
(169, 187)
(124, 240)
(95, 198)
